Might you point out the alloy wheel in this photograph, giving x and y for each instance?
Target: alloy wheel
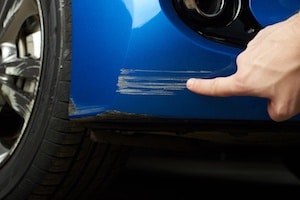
(21, 50)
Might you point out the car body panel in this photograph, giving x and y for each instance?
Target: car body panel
(134, 57)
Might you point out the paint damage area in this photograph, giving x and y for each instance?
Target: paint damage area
(154, 82)
(72, 107)
(117, 115)
(100, 113)
(84, 111)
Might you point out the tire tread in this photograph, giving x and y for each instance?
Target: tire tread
(69, 165)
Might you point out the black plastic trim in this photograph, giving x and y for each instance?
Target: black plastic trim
(182, 126)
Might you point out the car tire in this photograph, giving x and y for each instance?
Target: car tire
(43, 154)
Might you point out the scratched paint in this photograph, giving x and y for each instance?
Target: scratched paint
(156, 82)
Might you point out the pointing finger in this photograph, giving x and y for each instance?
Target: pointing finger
(221, 87)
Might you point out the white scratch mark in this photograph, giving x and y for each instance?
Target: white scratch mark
(155, 82)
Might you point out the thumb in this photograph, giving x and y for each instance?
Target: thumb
(279, 111)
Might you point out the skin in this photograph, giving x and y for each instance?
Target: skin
(268, 68)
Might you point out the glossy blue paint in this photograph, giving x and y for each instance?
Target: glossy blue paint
(268, 12)
(134, 56)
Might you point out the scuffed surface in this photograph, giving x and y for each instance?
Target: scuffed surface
(154, 82)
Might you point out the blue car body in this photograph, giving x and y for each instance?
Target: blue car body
(134, 57)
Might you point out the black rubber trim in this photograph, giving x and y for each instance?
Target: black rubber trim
(182, 126)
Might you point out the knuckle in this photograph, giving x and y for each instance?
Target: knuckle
(280, 113)
(239, 85)
(240, 58)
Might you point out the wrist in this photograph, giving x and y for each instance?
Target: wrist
(295, 24)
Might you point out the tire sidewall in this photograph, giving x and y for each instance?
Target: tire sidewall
(17, 168)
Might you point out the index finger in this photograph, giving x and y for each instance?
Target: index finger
(221, 86)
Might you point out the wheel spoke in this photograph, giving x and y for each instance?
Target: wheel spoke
(18, 79)
(13, 15)
(19, 100)
(3, 152)
(24, 68)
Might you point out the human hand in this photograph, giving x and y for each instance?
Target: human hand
(268, 68)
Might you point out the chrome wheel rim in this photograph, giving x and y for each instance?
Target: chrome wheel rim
(21, 50)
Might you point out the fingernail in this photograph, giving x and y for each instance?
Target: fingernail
(190, 83)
